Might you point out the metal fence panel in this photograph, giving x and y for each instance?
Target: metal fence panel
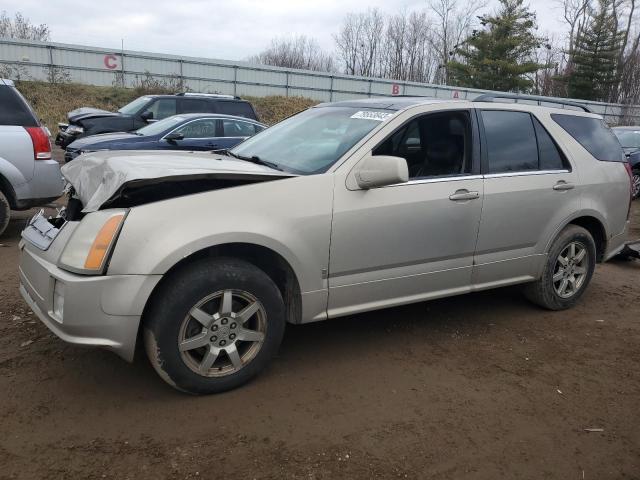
(103, 66)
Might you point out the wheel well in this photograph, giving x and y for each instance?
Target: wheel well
(270, 262)
(597, 231)
(7, 189)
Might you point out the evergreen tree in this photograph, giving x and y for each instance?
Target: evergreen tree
(499, 57)
(593, 72)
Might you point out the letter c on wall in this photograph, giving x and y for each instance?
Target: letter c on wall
(111, 61)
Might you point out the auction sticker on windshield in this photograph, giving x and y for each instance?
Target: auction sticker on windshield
(371, 115)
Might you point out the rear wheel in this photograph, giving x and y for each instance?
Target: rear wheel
(214, 325)
(568, 271)
(5, 213)
(635, 184)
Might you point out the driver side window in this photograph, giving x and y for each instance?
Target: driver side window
(161, 108)
(198, 129)
(433, 145)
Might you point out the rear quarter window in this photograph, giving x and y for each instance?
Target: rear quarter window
(594, 135)
(14, 109)
(239, 109)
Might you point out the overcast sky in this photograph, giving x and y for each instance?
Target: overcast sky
(230, 30)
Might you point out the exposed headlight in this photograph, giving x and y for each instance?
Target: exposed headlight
(74, 129)
(88, 249)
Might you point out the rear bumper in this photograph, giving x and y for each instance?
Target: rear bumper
(616, 244)
(45, 186)
(99, 311)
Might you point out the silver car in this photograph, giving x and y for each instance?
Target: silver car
(29, 176)
(346, 207)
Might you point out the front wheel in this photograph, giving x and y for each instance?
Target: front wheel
(567, 272)
(213, 326)
(635, 185)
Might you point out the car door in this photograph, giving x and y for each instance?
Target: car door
(529, 191)
(415, 240)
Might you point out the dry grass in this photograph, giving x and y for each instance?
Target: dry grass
(52, 101)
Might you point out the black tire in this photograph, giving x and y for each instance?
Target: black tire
(635, 188)
(5, 213)
(543, 292)
(171, 307)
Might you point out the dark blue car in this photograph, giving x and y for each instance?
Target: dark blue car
(190, 131)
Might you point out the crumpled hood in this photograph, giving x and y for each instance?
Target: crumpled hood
(100, 177)
(89, 112)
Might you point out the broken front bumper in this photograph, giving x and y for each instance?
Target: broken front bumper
(100, 311)
(64, 137)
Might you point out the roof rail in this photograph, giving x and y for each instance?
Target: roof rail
(491, 97)
(195, 94)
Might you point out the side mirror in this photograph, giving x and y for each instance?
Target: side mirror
(146, 116)
(173, 137)
(380, 171)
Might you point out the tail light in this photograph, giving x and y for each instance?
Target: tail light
(41, 143)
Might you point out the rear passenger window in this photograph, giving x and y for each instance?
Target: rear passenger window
(511, 141)
(550, 156)
(196, 105)
(233, 128)
(239, 109)
(593, 135)
(14, 110)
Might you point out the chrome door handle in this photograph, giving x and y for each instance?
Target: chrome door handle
(562, 185)
(463, 194)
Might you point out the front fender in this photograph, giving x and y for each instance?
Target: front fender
(290, 216)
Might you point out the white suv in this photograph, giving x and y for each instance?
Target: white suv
(29, 177)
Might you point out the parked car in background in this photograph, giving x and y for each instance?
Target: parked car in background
(190, 131)
(344, 208)
(147, 109)
(630, 140)
(29, 177)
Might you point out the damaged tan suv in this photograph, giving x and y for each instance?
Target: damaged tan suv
(346, 207)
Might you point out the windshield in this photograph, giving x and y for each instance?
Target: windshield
(156, 128)
(628, 138)
(313, 140)
(135, 106)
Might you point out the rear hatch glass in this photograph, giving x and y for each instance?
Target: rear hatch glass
(594, 135)
(14, 109)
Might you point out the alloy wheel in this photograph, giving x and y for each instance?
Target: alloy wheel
(570, 269)
(222, 333)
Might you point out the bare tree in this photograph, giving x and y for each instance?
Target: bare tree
(295, 52)
(574, 13)
(545, 80)
(358, 42)
(453, 23)
(396, 46)
(19, 27)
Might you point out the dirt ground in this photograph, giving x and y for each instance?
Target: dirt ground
(482, 386)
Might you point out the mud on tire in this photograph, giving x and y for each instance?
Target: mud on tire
(5, 213)
(195, 331)
(545, 292)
